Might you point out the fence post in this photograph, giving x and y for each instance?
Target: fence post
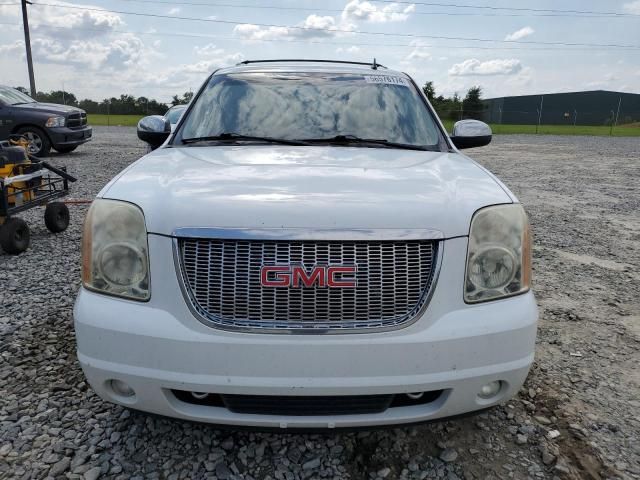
(611, 129)
(540, 112)
(618, 112)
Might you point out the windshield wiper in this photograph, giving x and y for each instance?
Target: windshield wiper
(347, 139)
(231, 137)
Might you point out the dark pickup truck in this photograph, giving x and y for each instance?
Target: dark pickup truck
(45, 125)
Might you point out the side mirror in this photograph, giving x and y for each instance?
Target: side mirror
(471, 133)
(154, 130)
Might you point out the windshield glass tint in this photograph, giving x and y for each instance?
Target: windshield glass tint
(13, 96)
(173, 115)
(309, 106)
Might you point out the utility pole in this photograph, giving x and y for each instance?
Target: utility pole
(27, 44)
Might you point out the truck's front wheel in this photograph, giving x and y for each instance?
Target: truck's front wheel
(39, 143)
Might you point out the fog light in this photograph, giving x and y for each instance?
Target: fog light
(415, 395)
(122, 388)
(490, 389)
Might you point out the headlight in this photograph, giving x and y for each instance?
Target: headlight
(55, 122)
(499, 256)
(115, 257)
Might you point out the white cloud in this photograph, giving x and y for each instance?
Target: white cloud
(353, 49)
(314, 26)
(174, 11)
(212, 57)
(123, 52)
(319, 22)
(418, 53)
(182, 77)
(365, 11)
(520, 34)
(81, 42)
(208, 50)
(12, 48)
(59, 37)
(492, 86)
(609, 81)
(59, 22)
(632, 7)
(249, 31)
(473, 66)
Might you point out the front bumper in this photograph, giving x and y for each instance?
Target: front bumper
(159, 346)
(63, 136)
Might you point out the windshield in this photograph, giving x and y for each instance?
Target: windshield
(304, 106)
(173, 114)
(11, 96)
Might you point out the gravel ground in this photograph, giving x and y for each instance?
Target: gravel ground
(577, 416)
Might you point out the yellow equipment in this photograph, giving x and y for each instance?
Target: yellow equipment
(26, 182)
(14, 162)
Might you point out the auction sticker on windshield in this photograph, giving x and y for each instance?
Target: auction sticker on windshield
(387, 80)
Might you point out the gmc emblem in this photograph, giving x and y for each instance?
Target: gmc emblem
(296, 276)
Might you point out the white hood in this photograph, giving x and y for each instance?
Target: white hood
(323, 187)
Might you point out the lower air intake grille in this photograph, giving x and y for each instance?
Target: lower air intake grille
(306, 405)
(266, 405)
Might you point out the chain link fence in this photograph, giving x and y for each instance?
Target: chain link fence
(577, 111)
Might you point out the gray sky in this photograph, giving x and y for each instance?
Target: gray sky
(97, 50)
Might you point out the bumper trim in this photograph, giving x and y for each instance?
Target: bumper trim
(64, 136)
(353, 234)
(154, 395)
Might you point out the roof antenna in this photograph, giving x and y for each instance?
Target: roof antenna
(375, 65)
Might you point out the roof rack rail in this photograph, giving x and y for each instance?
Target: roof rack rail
(374, 66)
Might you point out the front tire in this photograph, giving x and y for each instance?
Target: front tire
(39, 143)
(65, 148)
(56, 217)
(14, 236)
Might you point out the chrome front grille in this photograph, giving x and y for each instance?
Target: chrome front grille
(75, 120)
(221, 279)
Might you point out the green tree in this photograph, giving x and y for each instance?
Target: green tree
(186, 98)
(89, 106)
(472, 104)
(448, 108)
(430, 91)
(57, 96)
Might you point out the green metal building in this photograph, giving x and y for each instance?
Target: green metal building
(597, 107)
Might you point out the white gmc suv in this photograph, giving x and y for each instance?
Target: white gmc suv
(308, 249)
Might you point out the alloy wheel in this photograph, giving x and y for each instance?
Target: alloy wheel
(35, 142)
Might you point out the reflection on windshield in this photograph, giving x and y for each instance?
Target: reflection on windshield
(305, 106)
(12, 96)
